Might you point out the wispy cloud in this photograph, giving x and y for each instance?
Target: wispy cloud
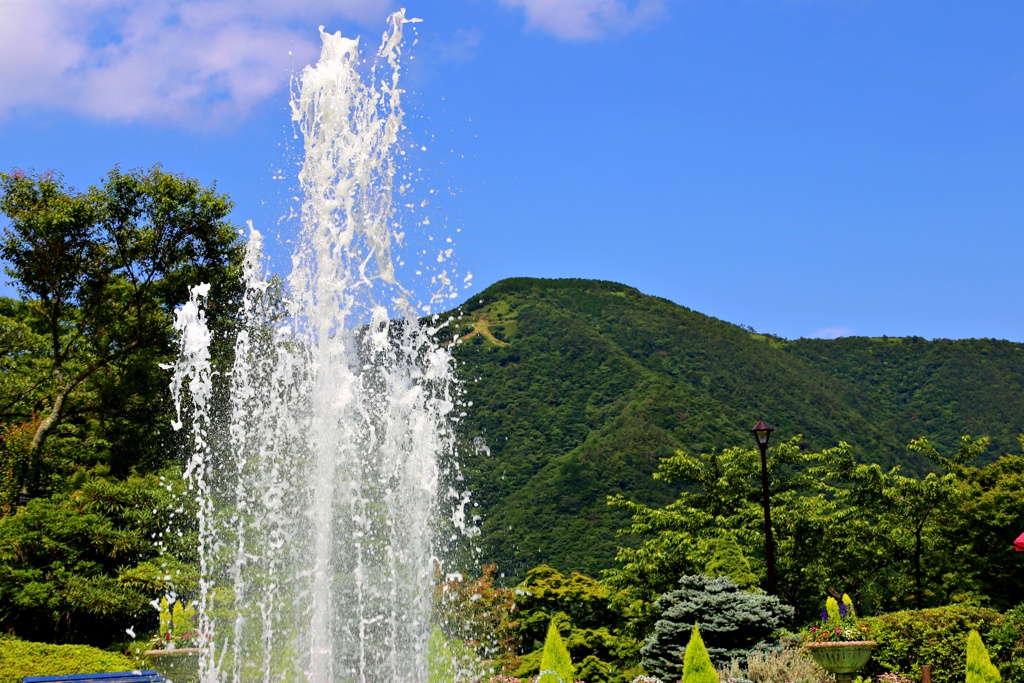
(831, 333)
(588, 19)
(463, 46)
(187, 62)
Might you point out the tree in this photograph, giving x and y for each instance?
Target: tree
(578, 606)
(734, 622)
(723, 495)
(728, 560)
(100, 273)
(697, 666)
(555, 664)
(902, 517)
(481, 615)
(83, 566)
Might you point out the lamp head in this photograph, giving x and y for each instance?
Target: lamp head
(762, 431)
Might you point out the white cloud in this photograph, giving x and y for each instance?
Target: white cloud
(187, 62)
(831, 333)
(588, 19)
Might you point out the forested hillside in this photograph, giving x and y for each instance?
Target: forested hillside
(578, 387)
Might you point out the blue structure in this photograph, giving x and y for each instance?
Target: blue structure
(146, 676)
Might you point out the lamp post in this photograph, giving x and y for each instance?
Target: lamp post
(762, 431)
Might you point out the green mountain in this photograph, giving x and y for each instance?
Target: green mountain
(575, 389)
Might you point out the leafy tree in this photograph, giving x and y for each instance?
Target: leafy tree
(979, 532)
(481, 615)
(100, 273)
(697, 666)
(578, 606)
(734, 621)
(723, 496)
(901, 517)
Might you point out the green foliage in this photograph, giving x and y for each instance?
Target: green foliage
(722, 495)
(979, 535)
(20, 658)
(100, 273)
(936, 636)
(579, 606)
(1006, 641)
(555, 660)
(450, 660)
(980, 668)
(903, 521)
(81, 567)
(697, 666)
(728, 560)
(735, 622)
(596, 382)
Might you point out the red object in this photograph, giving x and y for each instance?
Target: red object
(1018, 545)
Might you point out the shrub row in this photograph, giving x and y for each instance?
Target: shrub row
(20, 658)
(938, 636)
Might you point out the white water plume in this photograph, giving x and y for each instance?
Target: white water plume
(318, 475)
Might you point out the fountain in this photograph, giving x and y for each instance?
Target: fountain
(318, 474)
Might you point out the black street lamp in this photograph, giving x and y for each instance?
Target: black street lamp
(762, 431)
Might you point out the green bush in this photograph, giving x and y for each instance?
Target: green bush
(20, 658)
(1006, 645)
(980, 668)
(555, 658)
(697, 666)
(936, 636)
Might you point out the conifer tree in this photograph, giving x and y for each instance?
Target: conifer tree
(980, 668)
(555, 659)
(697, 666)
(728, 560)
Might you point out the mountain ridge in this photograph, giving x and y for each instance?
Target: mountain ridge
(580, 386)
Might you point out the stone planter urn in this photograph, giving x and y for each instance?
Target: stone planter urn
(842, 659)
(180, 665)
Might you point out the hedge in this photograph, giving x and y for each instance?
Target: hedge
(938, 637)
(24, 658)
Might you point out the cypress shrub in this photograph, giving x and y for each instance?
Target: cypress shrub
(980, 668)
(555, 658)
(697, 666)
(728, 560)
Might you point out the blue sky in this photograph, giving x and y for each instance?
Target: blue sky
(805, 167)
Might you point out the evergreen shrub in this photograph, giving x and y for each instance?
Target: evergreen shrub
(728, 560)
(1006, 645)
(980, 668)
(697, 666)
(20, 658)
(555, 658)
(733, 623)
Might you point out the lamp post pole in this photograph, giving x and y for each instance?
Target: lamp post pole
(762, 431)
